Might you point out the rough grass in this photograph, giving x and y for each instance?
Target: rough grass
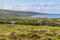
(27, 32)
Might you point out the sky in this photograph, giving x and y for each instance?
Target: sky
(41, 6)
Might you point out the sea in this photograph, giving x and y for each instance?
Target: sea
(48, 16)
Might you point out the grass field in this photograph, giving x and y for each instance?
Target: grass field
(27, 32)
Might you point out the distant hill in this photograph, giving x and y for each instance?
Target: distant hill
(11, 13)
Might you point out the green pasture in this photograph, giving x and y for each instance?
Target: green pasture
(7, 29)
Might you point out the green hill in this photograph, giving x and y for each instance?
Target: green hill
(11, 13)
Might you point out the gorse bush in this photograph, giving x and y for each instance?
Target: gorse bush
(38, 22)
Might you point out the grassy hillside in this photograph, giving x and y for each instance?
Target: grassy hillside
(11, 13)
(30, 29)
(26, 32)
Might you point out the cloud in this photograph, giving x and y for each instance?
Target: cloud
(27, 6)
(38, 7)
